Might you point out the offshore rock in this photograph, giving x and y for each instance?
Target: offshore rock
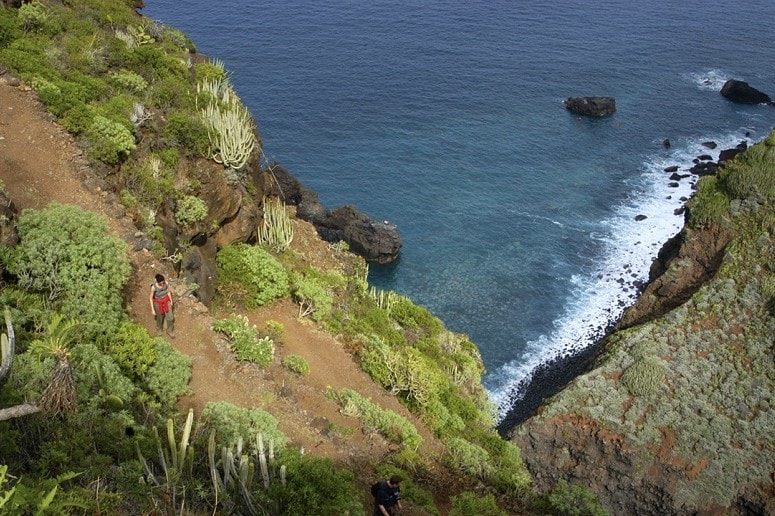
(591, 106)
(742, 93)
(376, 241)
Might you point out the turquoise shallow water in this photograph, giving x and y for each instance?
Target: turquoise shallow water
(446, 118)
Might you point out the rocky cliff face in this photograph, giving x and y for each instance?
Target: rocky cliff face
(677, 416)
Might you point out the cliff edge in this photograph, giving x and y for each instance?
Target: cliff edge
(676, 416)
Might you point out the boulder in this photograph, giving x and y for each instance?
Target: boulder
(675, 176)
(242, 228)
(666, 143)
(704, 168)
(673, 185)
(673, 168)
(8, 234)
(223, 199)
(728, 154)
(278, 182)
(709, 145)
(705, 157)
(638, 218)
(376, 241)
(198, 266)
(591, 106)
(742, 93)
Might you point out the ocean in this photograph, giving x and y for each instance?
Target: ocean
(446, 118)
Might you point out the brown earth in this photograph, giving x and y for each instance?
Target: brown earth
(41, 163)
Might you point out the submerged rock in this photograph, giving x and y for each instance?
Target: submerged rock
(591, 106)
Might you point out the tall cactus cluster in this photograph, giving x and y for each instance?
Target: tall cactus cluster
(230, 128)
(276, 230)
(384, 299)
(233, 475)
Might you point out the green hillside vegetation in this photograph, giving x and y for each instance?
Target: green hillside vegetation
(146, 108)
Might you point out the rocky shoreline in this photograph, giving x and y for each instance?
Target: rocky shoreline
(662, 292)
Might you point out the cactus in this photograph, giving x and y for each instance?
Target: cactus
(234, 474)
(276, 230)
(229, 126)
(176, 461)
(383, 299)
(7, 347)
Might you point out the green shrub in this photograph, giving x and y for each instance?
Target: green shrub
(644, 376)
(394, 427)
(469, 458)
(208, 71)
(78, 118)
(33, 16)
(245, 342)
(468, 503)
(275, 330)
(129, 80)
(709, 204)
(132, 348)
(403, 371)
(415, 317)
(68, 253)
(168, 377)
(10, 27)
(189, 210)
(751, 175)
(150, 180)
(253, 272)
(96, 372)
(187, 131)
(510, 473)
(231, 422)
(172, 92)
(296, 364)
(315, 486)
(110, 141)
(312, 295)
(573, 500)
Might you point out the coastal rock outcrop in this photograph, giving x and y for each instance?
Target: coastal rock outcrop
(375, 240)
(591, 106)
(742, 93)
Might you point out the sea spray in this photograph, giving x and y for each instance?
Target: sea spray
(631, 243)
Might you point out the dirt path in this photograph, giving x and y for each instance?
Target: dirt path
(40, 163)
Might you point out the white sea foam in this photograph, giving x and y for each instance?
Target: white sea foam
(599, 297)
(711, 80)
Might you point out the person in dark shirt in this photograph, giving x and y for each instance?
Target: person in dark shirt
(387, 497)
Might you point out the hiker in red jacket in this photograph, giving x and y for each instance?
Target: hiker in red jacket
(161, 305)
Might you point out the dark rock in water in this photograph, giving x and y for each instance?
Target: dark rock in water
(673, 185)
(728, 154)
(705, 157)
(683, 199)
(679, 211)
(748, 134)
(742, 93)
(666, 143)
(675, 176)
(591, 106)
(709, 145)
(742, 145)
(638, 218)
(706, 168)
(375, 240)
(673, 168)
(695, 160)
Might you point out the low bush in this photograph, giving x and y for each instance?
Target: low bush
(752, 174)
(186, 130)
(129, 80)
(253, 272)
(709, 204)
(644, 376)
(469, 458)
(168, 377)
(231, 422)
(33, 16)
(573, 500)
(67, 253)
(132, 348)
(189, 210)
(296, 364)
(394, 427)
(419, 497)
(172, 92)
(245, 341)
(468, 503)
(275, 330)
(312, 295)
(316, 486)
(415, 317)
(110, 141)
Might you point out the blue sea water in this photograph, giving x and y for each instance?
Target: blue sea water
(445, 117)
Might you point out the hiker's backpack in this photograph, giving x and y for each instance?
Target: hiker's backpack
(375, 489)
